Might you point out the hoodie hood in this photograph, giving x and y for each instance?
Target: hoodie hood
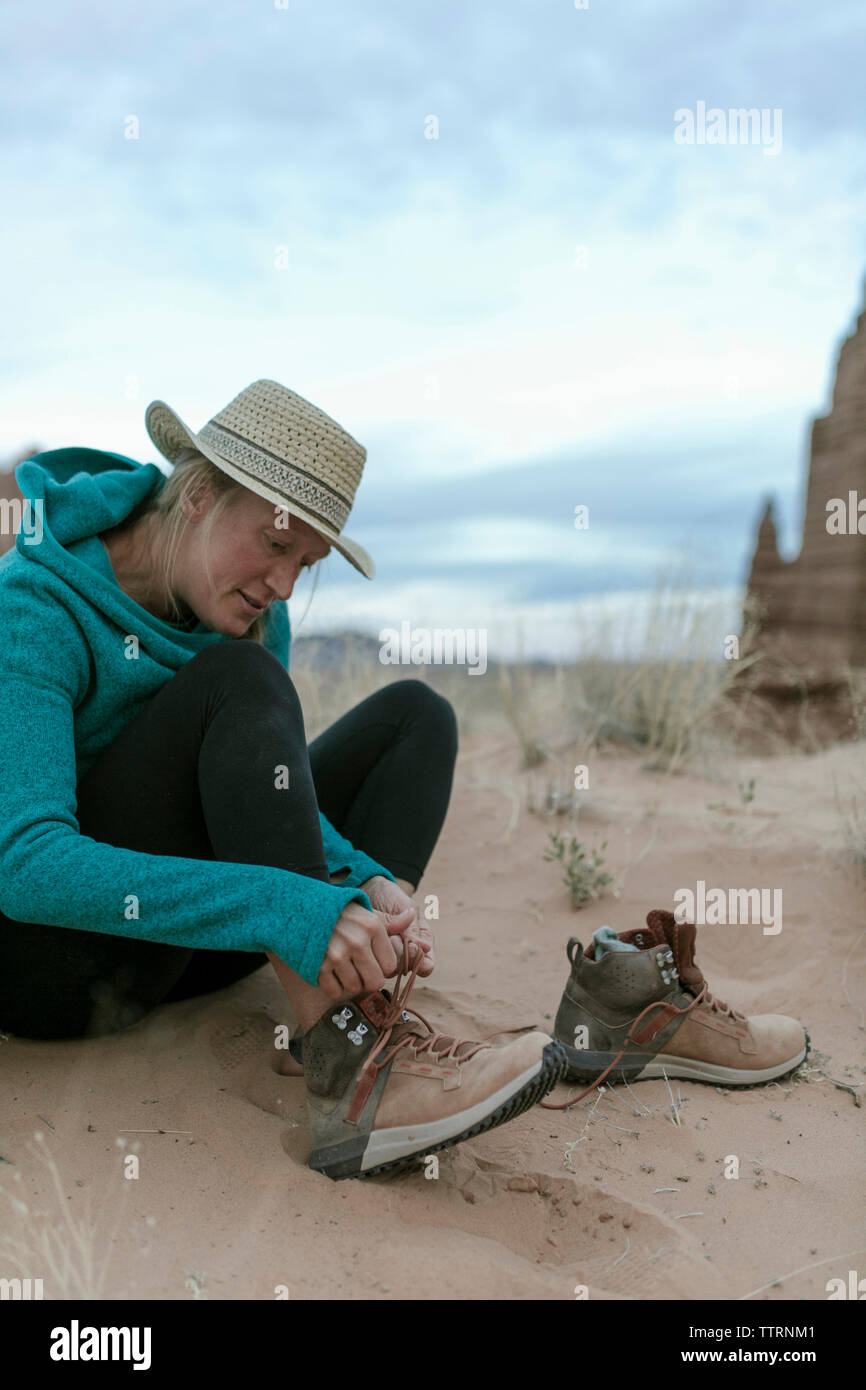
(83, 492)
(80, 493)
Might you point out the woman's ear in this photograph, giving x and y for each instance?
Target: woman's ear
(196, 502)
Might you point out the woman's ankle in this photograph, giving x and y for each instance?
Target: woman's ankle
(308, 1018)
(308, 1002)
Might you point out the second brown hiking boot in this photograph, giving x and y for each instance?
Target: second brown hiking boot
(649, 1012)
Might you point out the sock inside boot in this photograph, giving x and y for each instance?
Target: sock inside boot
(606, 939)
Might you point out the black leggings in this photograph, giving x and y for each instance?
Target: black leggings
(185, 778)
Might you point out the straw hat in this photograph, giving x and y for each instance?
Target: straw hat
(283, 448)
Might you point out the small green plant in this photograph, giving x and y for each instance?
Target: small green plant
(583, 875)
(747, 791)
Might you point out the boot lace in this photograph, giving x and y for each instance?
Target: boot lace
(719, 1006)
(698, 985)
(398, 1028)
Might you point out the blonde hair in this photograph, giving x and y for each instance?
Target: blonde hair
(192, 475)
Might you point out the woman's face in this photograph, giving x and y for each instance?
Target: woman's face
(255, 551)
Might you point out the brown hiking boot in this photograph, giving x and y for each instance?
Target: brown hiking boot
(384, 1089)
(648, 1013)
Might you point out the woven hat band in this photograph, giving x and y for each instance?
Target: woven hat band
(327, 504)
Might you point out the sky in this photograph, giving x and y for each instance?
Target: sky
(469, 232)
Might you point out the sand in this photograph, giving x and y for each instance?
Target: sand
(611, 1197)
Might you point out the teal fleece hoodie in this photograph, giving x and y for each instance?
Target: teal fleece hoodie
(66, 691)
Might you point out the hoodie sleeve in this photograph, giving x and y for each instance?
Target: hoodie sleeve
(51, 873)
(340, 853)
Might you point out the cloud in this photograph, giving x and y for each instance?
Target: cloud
(550, 303)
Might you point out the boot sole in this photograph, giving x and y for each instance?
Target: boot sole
(403, 1147)
(584, 1067)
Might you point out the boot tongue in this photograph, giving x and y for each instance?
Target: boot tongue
(376, 1006)
(419, 1028)
(680, 936)
(379, 1006)
(644, 938)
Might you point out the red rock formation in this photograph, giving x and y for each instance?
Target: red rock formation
(811, 611)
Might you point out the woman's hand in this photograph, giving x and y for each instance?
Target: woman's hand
(361, 954)
(387, 896)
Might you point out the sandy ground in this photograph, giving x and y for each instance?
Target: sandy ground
(611, 1195)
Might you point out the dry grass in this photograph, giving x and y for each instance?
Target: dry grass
(327, 693)
(851, 809)
(671, 702)
(54, 1243)
(666, 701)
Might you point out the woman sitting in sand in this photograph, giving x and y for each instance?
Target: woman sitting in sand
(164, 827)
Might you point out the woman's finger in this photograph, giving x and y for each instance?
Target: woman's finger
(350, 980)
(387, 953)
(328, 983)
(396, 923)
